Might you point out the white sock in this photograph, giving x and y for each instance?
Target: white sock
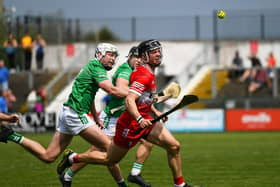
(70, 158)
(181, 185)
(120, 181)
(69, 174)
(67, 177)
(136, 168)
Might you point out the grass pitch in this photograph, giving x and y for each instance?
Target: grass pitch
(241, 159)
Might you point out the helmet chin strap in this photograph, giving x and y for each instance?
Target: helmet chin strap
(108, 68)
(147, 61)
(155, 65)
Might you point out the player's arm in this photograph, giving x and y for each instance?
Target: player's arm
(130, 103)
(155, 111)
(122, 83)
(95, 116)
(108, 87)
(13, 118)
(158, 113)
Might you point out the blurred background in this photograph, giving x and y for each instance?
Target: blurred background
(232, 64)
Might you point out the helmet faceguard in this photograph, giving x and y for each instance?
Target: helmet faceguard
(102, 48)
(133, 57)
(146, 46)
(101, 51)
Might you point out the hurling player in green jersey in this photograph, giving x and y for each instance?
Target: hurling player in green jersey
(73, 118)
(109, 117)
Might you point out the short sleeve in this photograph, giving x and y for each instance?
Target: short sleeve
(139, 84)
(99, 74)
(125, 75)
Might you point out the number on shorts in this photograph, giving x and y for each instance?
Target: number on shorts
(83, 119)
(125, 132)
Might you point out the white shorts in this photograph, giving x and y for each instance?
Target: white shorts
(109, 123)
(69, 122)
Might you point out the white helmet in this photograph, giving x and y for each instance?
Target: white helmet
(102, 48)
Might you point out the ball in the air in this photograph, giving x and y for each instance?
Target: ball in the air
(221, 14)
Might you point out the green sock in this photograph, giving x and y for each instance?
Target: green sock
(17, 138)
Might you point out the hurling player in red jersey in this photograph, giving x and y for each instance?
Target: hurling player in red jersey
(135, 122)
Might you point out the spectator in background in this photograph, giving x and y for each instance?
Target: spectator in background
(27, 45)
(4, 76)
(237, 60)
(40, 44)
(3, 103)
(10, 46)
(271, 63)
(257, 76)
(31, 100)
(255, 61)
(10, 98)
(237, 64)
(255, 64)
(40, 103)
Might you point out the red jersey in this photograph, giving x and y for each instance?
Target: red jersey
(142, 83)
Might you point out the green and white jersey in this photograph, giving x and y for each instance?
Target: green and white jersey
(124, 72)
(85, 87)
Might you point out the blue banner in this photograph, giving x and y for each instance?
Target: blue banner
(208, 120)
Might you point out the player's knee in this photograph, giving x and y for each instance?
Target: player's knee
(112, 166)
(174, 148)
(149, 145)
(48, 159)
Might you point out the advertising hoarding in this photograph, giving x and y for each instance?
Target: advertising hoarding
(253, 120)
(208, 120)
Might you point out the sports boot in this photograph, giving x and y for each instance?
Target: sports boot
(187, 185)
(63, 181)
(138, 180)
(64, 163)
(5, 131)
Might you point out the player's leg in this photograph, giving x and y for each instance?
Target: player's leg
(161, 136)
(95, 137)
(57, 145)
(142, 153)
(114, 155)
(115, 171)
(67, 176)
(84, 126)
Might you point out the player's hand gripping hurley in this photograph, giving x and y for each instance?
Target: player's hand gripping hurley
(171, 91)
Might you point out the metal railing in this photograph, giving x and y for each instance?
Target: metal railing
(238, 25)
